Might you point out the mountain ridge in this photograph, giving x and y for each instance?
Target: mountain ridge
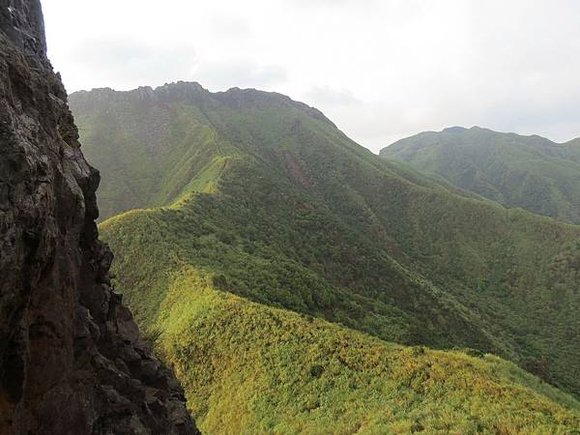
(283, 209)
(458, 129)
(531, 172)
(187, 89)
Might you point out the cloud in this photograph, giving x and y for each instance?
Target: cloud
(243, 73)
(127, 64)
(327, 96)
(326, 3)
(379, 69)
(374, 124)
(230, 26)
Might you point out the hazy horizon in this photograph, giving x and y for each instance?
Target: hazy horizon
(380, 70)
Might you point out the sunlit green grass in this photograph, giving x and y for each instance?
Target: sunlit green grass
(249, 368)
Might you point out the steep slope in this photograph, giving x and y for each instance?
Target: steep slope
(71, 358)
(517, 171)
(278, 206)
(254, 369)
(149, 145)
(287, 199)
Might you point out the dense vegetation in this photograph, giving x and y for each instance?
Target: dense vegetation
(518, 171)
(266, 370)
(274, 204)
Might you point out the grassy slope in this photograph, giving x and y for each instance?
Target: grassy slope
(249, 368)
(286, 211)
(517, 171)
(130, 149)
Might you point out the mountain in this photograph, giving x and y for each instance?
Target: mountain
(517, 171)
(72, 360)
(252, 368)
(258, 221)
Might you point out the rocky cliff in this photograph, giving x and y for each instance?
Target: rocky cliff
(71, 358)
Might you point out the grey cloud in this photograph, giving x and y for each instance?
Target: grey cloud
(380, 70)
(372, 124)
(230, 27)
(244, 73)
(362, 3)
(327, 96)
(558, 121)
(131, 63)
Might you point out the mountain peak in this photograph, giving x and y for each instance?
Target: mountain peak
(192, 92)
(455, 129)
(518, 171)
(180, 87)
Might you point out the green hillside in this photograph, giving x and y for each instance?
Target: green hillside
(249, 368)
(270, 202)
(517, 171)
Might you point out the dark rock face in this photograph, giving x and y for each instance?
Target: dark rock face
(71, 358)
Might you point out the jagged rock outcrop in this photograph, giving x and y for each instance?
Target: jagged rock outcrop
(71, 358)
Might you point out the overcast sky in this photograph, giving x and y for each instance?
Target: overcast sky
(380, 69)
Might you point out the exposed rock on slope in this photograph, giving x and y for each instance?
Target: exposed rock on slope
(71, 357)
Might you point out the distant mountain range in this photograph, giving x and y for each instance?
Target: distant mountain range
(275, 262)
(517, 171)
